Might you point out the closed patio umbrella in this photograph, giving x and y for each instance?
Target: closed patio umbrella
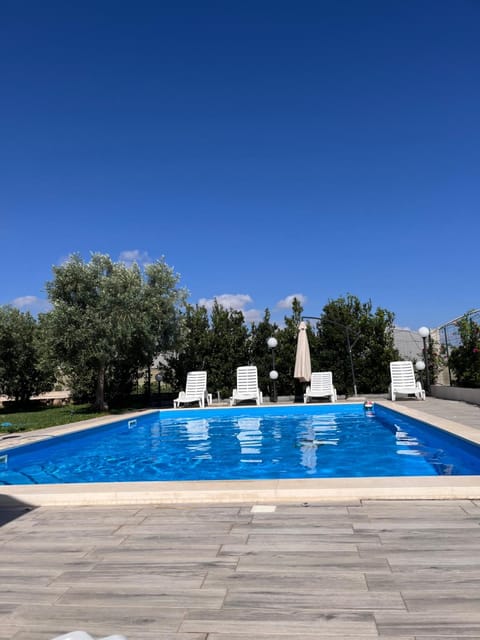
(303, 366)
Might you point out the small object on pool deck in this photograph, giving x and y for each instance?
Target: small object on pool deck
(263, 508)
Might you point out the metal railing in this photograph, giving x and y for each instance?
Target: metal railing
(449, 336)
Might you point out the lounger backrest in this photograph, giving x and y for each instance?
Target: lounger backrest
(402, 374)
(196, 383)
(247, 379)
(321, 382)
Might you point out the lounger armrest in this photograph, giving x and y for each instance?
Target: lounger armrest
(420, 391)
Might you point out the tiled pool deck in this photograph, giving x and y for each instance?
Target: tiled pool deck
(342, 568)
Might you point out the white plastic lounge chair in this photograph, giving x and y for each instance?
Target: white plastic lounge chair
(247, 386)
(321, 385)
(403, 380)
(195, 390)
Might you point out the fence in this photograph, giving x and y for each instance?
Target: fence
(449, 338)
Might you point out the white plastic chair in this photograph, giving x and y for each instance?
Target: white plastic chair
(403, 380)
(321, 386)
(195, 390)
(247, 386)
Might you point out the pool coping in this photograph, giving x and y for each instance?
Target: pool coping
(244, 491)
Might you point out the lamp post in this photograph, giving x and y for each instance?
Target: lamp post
(272, 343)
(424, 333)
(158, 378)
(349, 349)
(420, 366)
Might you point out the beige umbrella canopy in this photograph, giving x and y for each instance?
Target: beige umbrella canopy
(303, 366)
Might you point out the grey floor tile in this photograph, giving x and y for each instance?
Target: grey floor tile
(407, 570)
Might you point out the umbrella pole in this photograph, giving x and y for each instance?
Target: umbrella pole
(299, 390)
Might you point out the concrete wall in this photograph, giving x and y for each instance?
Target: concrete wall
(456, 393)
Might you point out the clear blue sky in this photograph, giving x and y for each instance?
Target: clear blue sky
(265, 148)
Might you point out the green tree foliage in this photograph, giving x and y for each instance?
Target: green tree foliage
(348, 326)
(260, 354)
(221, 342)
(108, 320)
(195, 346)
(464, 360)
(437, 359)
(229, 348)
(375, 350)
(22, 371)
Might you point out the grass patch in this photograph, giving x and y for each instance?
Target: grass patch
(39, 416)
(13, 421)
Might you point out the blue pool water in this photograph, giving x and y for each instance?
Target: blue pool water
(245, 443)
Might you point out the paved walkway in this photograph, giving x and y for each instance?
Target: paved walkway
(463, 412)
(353, 570)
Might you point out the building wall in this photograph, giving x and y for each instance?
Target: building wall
(409, 344)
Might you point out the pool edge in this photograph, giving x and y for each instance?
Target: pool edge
(243, 491)
(259, 491)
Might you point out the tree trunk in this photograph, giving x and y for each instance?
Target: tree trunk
(100, 403)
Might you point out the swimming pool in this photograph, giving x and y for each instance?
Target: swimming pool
(279, 442)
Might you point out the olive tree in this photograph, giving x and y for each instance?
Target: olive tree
(108, 320)
(22, 370)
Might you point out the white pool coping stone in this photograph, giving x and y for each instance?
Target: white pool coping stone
(269, 492)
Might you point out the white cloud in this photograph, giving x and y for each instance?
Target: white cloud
(252, 315)
(235, 301)
(286, 303)
(31, 303)
(130, 256)
(24, 301)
